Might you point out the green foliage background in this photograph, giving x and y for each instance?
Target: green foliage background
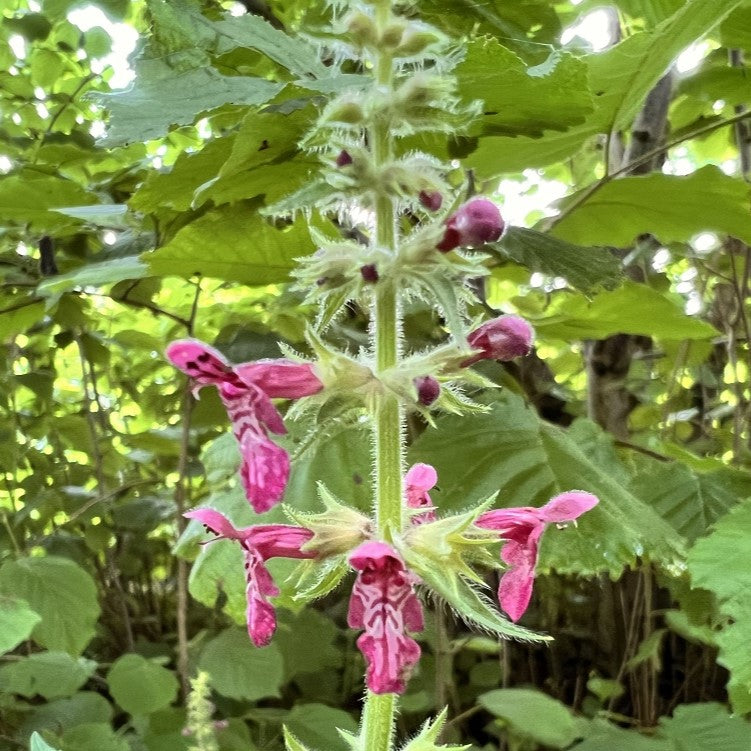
(130, 218)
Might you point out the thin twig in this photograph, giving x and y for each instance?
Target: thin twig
(181, 496)
(646, 157)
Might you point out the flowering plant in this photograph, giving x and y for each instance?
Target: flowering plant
(414, 244)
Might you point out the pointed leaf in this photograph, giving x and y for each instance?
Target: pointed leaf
(584, 268)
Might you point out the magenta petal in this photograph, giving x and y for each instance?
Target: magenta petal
(216, 523)
(260, 613)
(279, 540)
(515, 591)
(568, 506)
(421, 477)
(200, 361)
(384, 604)
(280, 379)
(264, 471)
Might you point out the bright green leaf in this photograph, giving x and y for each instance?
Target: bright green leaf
(63, 594)
(706, 727)
(140, 686)
(37, 743)
(233, 243)
(48, 674)
(239, 670)
(621, 311)
(17, 620)
(532, 714)
(316, 726)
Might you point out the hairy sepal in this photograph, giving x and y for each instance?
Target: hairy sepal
(427, 738)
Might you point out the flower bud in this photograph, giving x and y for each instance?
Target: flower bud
(344, 158)
(392, 35)
(362, 29)
(430, 199)
(345, 111)
(428, 390)
(369, 273)
(503, 338)
(475, 222)
(414, 42)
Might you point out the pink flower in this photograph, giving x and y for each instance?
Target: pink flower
(383, 603)
(476, 222)
(246, 391)
(503, 338)
(418, 481)
(522, 529)
(259, 543)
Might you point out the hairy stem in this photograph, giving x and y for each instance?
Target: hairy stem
(379, 710)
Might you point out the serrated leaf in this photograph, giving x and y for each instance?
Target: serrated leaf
(161, 97)
(511, 451)
(316, 725)
(470, 605)
(673, 208)
(584, 268)
(254, 32)
(17, 621)
(527, 100)
(718, 563)
(642, 62)
(48, 674)
(691, 501)
(706, 727)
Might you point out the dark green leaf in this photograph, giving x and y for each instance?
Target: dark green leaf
(583, 268)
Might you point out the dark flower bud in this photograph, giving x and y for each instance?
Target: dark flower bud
(369, 273)
(475, 222)
(344, 158)
(428, 390)
(430, 199)
(503, 338)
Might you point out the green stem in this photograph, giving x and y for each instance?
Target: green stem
(379, 710)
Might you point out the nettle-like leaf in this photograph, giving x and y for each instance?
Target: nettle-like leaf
(690, 500)
(233, 243)
(509, 449)
(522, 99)
(718, 563)
(163, 96)
(707, 726)
(230, 659)
(584, 268)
